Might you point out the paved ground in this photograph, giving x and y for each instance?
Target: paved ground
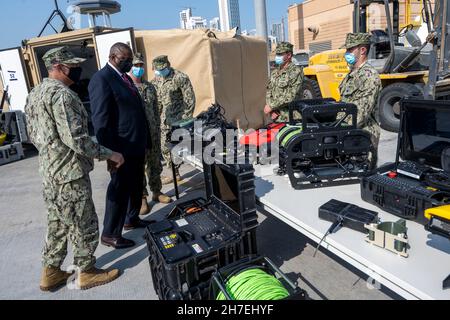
(23, 229)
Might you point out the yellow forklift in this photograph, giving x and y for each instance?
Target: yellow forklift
(403, 69)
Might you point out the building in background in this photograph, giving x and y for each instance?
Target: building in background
(185, 16)
(319, 25)
(197, 23)
(278, 31)
(229, 14)
(187, 21)
(214, 24)
(273, 41)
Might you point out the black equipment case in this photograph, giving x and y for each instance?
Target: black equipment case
(348, 215)
(219, 278)
(324, 148)
(405, 188)
(200, 236)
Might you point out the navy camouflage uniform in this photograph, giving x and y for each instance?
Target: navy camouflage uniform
(58, 126)
(176, 100)
(362, 87)
(153, 166)
(285, 85)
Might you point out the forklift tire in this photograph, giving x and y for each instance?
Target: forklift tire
(389, 108)
(311, 89)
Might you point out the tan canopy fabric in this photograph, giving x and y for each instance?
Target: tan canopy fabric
(223, 67)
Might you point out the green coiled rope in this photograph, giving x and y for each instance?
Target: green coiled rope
(254, 284)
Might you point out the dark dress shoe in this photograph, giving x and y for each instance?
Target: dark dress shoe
(117, 243)
(139, 224)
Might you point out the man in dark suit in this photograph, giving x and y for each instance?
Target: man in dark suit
(119, 121)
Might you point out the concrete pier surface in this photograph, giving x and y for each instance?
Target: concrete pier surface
(23, 229)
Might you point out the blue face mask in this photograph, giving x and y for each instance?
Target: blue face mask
(279, 60)
(162, 73)
(138, 72)
(350, 58)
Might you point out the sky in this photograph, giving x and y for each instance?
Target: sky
(23, 19)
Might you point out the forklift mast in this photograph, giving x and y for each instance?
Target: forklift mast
(360, 16)
(392, 30)
(360, 23)
(439, 66)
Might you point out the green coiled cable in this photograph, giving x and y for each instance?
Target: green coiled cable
(254, 284)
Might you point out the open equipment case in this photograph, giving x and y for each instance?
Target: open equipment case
(416, 181)
(221, 277)
(202, 235)
(324, 147)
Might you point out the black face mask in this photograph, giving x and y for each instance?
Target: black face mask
(75, 74)
(125, 65)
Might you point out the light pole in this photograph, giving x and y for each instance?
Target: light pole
(261, 20)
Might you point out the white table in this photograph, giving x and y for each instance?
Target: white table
(419, 276)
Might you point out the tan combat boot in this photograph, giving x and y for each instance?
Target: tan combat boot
(145, 208)
(53, 278)
(96, 277)
(166, 180)
(161, 198)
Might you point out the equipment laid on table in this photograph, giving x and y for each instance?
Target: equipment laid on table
(253, 279)
(415, 182)
(204, 130)
(351, 216)
(402, 196)
(214, 125)
(439, 224)
(187, 125)
(200, 236)
(413, 170)
(439, 220)
(324, 147)
(389, 235)
(263, 143)
(343, 214)
(185, 128)
(440, 180)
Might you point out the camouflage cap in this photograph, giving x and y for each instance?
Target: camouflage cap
(357, 39)
(284, 47)
(60, 55)
(161, 62)
(138, 58)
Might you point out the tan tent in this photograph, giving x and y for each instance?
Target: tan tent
(223, 67)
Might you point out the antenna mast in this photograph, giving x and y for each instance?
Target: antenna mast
(56, 13)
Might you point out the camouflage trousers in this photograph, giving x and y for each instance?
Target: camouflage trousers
(284, 115)
(165, 136)
(70, 216)
(153, 169)
(375, 131)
